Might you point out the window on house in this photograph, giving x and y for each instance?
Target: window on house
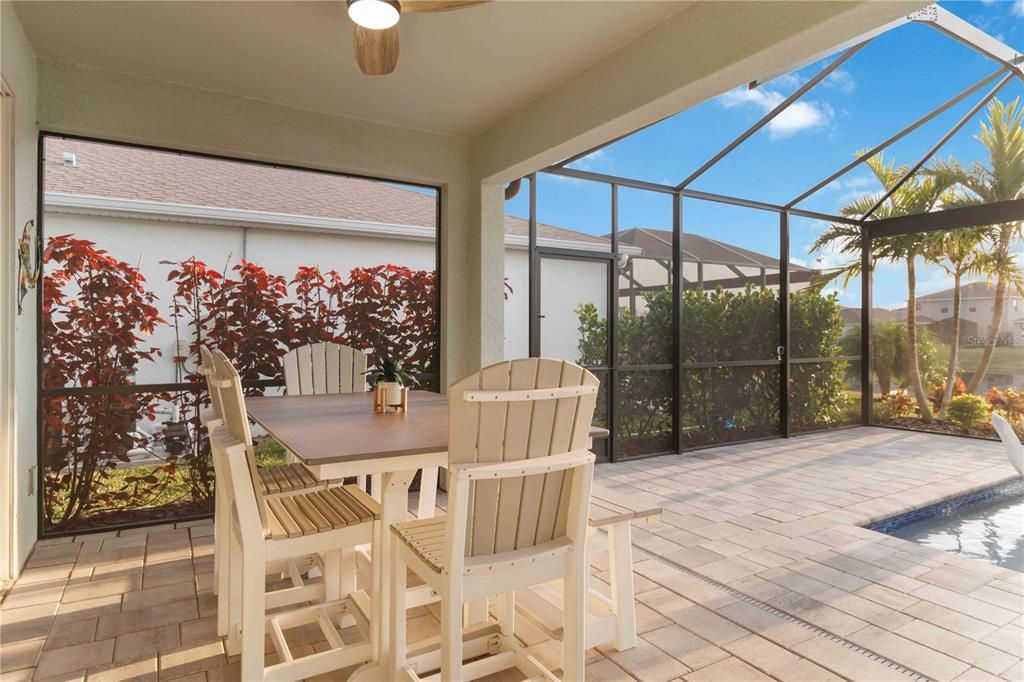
(973, 309)
(945, 309)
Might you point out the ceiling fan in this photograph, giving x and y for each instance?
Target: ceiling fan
(376, 28)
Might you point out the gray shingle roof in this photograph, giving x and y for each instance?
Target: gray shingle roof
(698, 249)
(116, 171)
(970, 290)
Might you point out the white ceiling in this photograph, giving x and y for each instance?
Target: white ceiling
(459, 73)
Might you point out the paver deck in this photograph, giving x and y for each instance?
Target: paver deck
(758, 569)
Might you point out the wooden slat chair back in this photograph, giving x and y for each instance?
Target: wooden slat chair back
(324, 368)
(212, 419)
(236, 420)
(516, 410)
(518, 496)
(208, 370)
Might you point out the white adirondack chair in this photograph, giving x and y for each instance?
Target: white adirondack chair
(323, 369)
(286, 479)
(326, 368)
(518, 497)
(330, 368)
(1014, 448)
(275, 528)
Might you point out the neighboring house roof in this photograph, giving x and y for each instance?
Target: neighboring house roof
(118, 179)
(970, 290)
(140, 175)
(852, 315)
(698, 249)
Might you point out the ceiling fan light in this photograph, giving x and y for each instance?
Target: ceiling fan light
(374, 14)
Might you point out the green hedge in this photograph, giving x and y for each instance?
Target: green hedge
(720, 404)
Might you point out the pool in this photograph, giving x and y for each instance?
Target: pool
(986, 524)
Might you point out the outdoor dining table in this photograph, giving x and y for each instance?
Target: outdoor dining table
(339, 435)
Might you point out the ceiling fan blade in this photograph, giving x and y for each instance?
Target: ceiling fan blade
(438, 5)
(376, 51)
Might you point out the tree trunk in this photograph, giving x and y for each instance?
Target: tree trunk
(954, 350)
(884, 382)
(993, 336)
(913, 371)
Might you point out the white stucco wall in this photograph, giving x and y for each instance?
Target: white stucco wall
(517, 305)
(18, 67)
(565, 284)
(147, 241)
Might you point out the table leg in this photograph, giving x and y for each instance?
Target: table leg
(394, 509)
(428, 493)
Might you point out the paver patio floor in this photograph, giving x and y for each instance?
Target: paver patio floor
(758, 569)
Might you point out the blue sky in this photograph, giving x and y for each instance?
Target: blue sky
(897, 78)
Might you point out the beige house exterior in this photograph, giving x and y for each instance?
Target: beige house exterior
(977, 301)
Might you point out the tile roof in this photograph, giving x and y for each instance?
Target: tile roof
(698, 249)
(970, 290)
(123, 172)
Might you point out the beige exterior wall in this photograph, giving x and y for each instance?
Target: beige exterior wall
(18, 67)
(978, 310)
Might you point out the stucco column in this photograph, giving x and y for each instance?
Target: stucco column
(492, 273)
(472, 273)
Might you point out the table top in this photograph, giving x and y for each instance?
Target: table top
(328, 429)
(325, 429)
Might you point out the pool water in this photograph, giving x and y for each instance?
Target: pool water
(986, 525)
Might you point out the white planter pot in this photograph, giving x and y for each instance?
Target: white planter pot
(392, 392)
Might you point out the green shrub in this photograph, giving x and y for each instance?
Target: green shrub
(719, 403)
(967, 411)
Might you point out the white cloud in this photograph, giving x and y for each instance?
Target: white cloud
(799, 116)
(841, 80)
(1018, 8)
(789, 81)
(860, 181)
(595, 161)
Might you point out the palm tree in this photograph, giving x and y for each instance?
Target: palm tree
(919, 194)
(959, 252)
(1001, 180)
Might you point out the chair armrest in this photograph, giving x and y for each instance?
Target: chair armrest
(611, 519)
(521, 467)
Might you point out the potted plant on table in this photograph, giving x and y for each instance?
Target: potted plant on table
(390, 378)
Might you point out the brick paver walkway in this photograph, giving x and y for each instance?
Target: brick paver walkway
(759, 569)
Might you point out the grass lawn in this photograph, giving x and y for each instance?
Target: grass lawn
(165, 491)
(1005, 359)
